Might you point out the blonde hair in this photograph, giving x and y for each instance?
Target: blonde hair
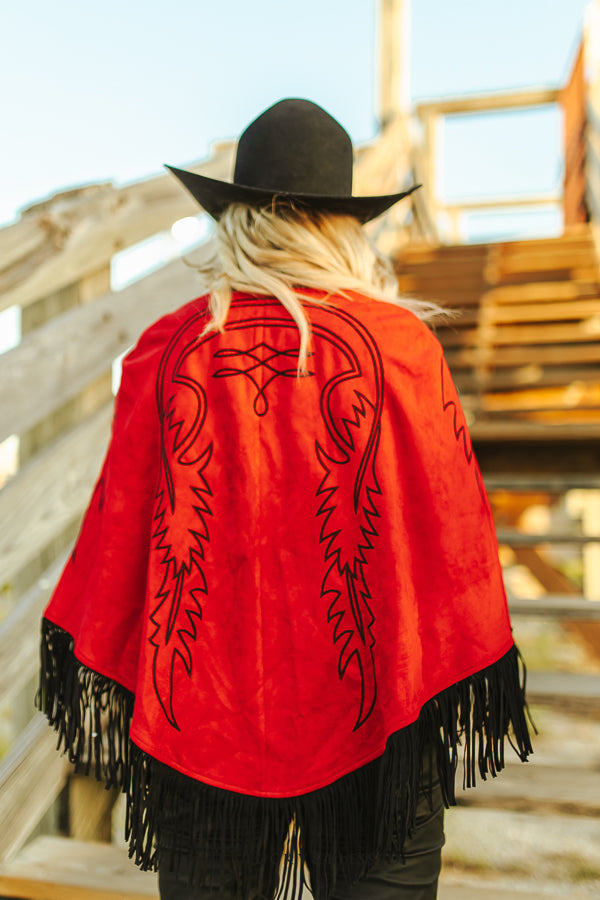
(280, 250)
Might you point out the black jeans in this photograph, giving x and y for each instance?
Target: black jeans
(414, 879)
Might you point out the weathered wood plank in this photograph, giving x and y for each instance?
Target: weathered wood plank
(382, 166)
(20, 634)
(90, 807)
(530, 787)
(91, 231)
(542, 291)
(54, 868)
(526, 356)
(510, 334)
(556, 606)
(55, 362)
(491, 100)
(525, 265)
(32, 775)
(36, 237)
(59, 242)
(522, 432)
(571, 691)
(540, 312)
(523, 378)
(521, 539)
(50, 493)
(541, 481)
(468, 886)
(569, 396)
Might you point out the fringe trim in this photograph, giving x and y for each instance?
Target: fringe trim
(91, 713)
(208, 835)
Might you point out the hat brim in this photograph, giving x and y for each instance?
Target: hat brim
(215, 196)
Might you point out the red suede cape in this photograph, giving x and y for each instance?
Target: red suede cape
(284, 588)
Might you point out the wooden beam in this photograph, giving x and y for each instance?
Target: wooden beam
(574, 692)
(552, 355)
(571, 607)
(50, 494)
(90, 807)
(394, 59)
(521, 539)
(542, 481)
(55, 362)
(55, 868)
(518, 200)
(509, 334)
(551, 579)
(543, 789)
(84, 234)
(32, 775)
(484, 102)
(542, 292)
(20, 635)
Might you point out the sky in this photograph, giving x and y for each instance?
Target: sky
(110, 91)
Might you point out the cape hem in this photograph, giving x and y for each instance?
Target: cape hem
(338, 830)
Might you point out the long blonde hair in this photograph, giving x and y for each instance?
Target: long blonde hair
(280, 250)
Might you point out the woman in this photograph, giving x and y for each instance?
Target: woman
(285, 609)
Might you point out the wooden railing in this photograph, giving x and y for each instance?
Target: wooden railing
(56, 396)
(431, 115)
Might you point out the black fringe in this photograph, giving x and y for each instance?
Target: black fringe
(204, 833)
(91, 713)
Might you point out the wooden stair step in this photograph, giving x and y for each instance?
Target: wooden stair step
(578, 354)
(562, 241)
(55, 868)
(531, 787)
(573, 236)
(588, 272)
(543, 481)
(570, 691)
(545, 259)
(542, 291)
(520, 378)
(476, 888)
(510, 335)
(544, 333)
(522, 539)
(571, 607)
(543, 312)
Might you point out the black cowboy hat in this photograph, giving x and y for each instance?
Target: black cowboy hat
(293, 152)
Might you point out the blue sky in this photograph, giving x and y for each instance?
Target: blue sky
(110, 91)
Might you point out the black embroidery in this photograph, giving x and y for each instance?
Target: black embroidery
(182, 443)
(352, 442)
(460, 432)
(258, 357)
(350, 486)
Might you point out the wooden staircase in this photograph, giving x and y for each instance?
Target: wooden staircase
(524, 348)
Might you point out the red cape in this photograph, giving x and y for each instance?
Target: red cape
(285, 571)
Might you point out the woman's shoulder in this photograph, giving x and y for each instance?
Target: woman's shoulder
(154, 339)
(392, 324)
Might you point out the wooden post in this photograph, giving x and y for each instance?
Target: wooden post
(591, 551)
(394, 59)
(66, 416)
(431, 128)
(90, 807)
